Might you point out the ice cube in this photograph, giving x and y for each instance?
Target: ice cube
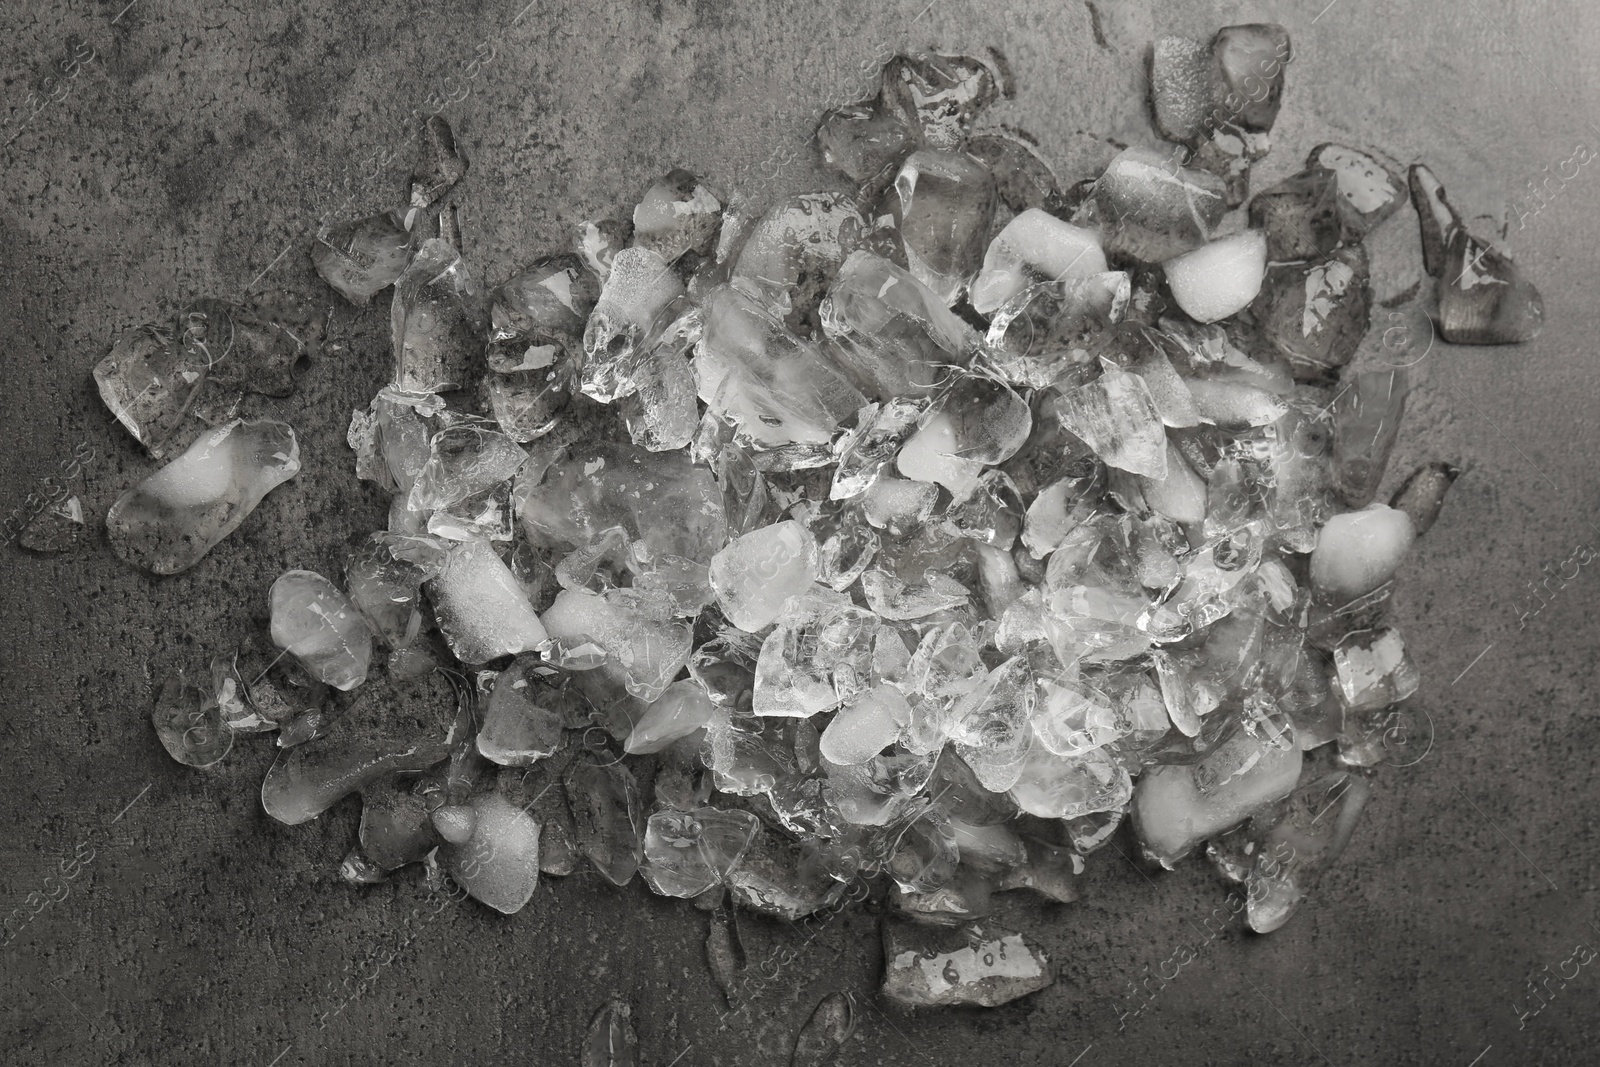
(1180, 88)
(968, 966)
(1316, 314)
(481, 610)
(990, 724)
(1116, 415)
(678, 214)
(314, 621)
(864, 144)
(645, 650)
(519, 728)
(543, 308)
(690, 852)
(944, 202)
(681, 710)
(1248, 72)
(466, 459)
(1154, 209)
(56, 528)
(437, 320)
(1373, 670)
(529, 403)
(308, 779)
(1484, 298)
(866, 726)
(978, 422)
(1311, 830)
(637, 293)
(891, 333)
(499, 864)
(169, 521)
(757, 572)
(361, 258)
(1221, 278)
(825, 1033)
(1034, 247)
(1066, 787)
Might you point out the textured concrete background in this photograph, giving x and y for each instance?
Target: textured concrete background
(202, 140)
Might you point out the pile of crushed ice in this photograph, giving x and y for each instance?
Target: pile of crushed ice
(913, 536)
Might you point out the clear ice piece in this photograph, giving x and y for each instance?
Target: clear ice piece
(1117, 417)
(689, 852)
(436, 321)
(1421, 495)
(756, 573)
(1153, 209)
(865, 726)
(605, 807)
(1366, 421)
(519, 726)
(1022, 177)
(940, 95)
(1034, 247)
(645, 649)
(1373, 670)
(150, 380)
(1313, 828)
(968, 966)
(188, 721)
(597, 244)
(306, 780)
(864, 144)
(1316, 314)
(678, 214)
(639, 289)
(385, 582)
(819, 655)
(1358, 552)
(466, 459)
(316, 623)
(543, 308)
(499, 864)
(482, 611)
(439, 166)
(1249, 63)
(681, 710)
(978, 422)
(944, 203)
(796, 247)
(169, 521)
(892, 334)
(362, 258)
(1067, 787)
(611, 1041)
(55, 529)
(1484, 298)
(991, 724)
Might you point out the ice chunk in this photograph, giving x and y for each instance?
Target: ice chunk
(819, 655)
(439, 166)
(899, 506)
(1359, 551)
(308, 779)
(1175, 807)
(1369, 191)
(678, 214)
(825, 1033)
(774, 387)
(689, 852)
(681, 710)
(519, 726)
(189, 723)
(1221, 278)
(169, 521)
(1116, 415)
(1311, 830)
(1316, 314)
(1484, 298)
(977, 966)
(543, 308)
(978, 422)
(56, 528)
(499, 864)
(1022, 177)
(756, 573)
(866, 726)
(1154, 209)
(1366, 421)
(892, 334)
(436, 321)
(638, 291)
(315, 622)
(864, 144)
(1180, 88)
(605, 806)
(467, 458)
(361, 258)
(597, 244)
(1066, 787)
(944, 202)
(990, 724)
(1248, 72)
(644, 648)
(1373, 670)
(796, 247)
(1034, 247)
(153, 376)
(939, 95)
(1438, 218)
(482, 611)
(771, 881)
(661, 412)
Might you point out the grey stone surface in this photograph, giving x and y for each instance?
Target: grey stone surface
(202, 140)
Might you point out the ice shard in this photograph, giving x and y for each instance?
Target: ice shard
(482, 612)
(974, 966)
(315, 622)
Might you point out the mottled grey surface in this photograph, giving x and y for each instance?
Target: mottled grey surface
(203, 139)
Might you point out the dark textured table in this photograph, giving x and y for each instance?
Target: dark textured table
(197, 143)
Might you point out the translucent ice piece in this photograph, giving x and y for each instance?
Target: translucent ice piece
(970, 966)
(1045, 334)
(1034, 247)
(308, 779)
(436, 321)
(940, 95)
(1176, 807)
(597, 244)
(1116, 415)
(543, 309)
(796, 247)
(481, 609)
(1314, 826)
(169, 521)
(978, 422)
(1153, 209)
(826, 1032)
(1248, 69)
(944, 202)
(1316, 314)
(188, 722)
(678, 214)
(1022, 177)
(1484, 298)
(776, 388)
(771, 881)
(894, 335)
(690, 852)
(1439, 219)
(1373, 670)
(640, 287)
(1366, 421)
(1357, 552)
(519, 728)
(661, 413)
(1221, 278)
(466, 459)
(361, 258)
(439, 165)
(499, 864)
(1066, 787)
(151, 379)
(991, 724)
(645, 650)
(385, 580)
(899, 506)
(315, 622)
(756, 573)
(819, 655)
(866, 726)
(900, 601)
(864, 144)
(605, 806)
(681, 710)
